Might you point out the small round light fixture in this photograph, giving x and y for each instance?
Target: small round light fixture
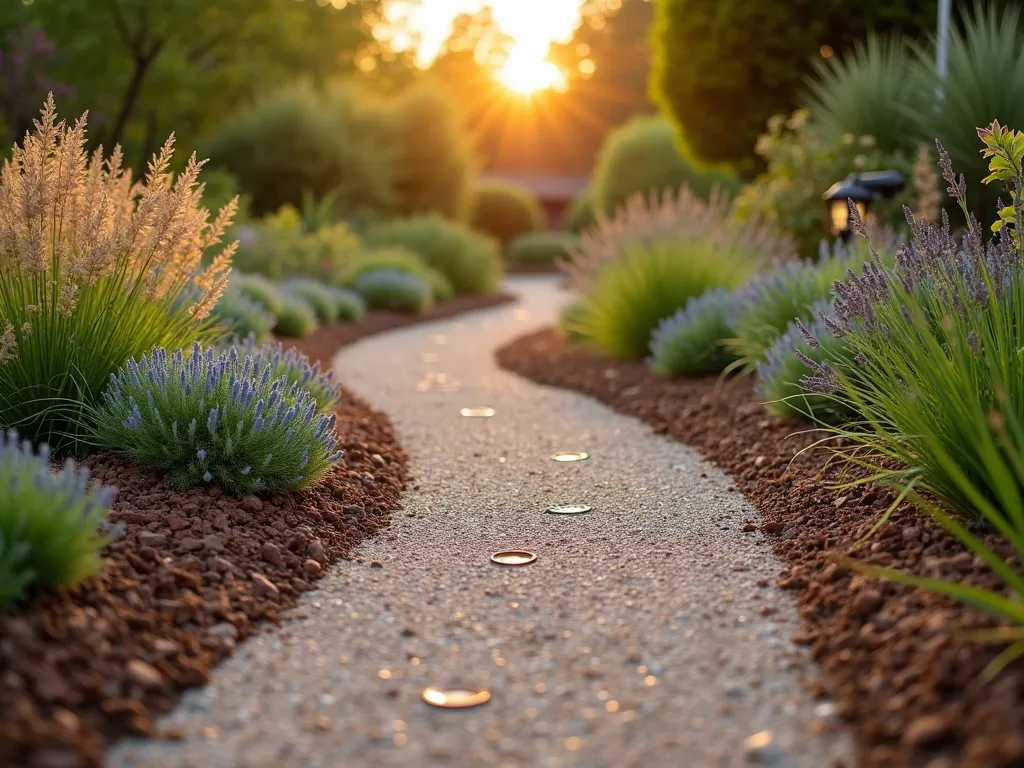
(514, 557)
(438, 382)
(478, 413)
(565, 456)
(568, 509)
(455, 698)
(429, 357)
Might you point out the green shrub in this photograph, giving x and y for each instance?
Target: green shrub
(435, 160)
(317, 295)
(631, 295)
(505, 210)
(296, 318)
(780, 370)
(391, 289)
(299, 139)
(471, 262)
(221, 187)
(295, 368)
(396, 257)
(242, 316)
(580, 214)
(802, 164)
(89, 276)
(868, 91)
(540, 249)
(348, 305)
(569, 319)
(691, 341)
(278, 246)
(217, 419)
(642, 156)
(260, 290)
(51, 524)
(722, 67)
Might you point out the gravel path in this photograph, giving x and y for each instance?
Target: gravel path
(647, 633)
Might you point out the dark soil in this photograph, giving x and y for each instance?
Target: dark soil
(193, 574)
(901, 674)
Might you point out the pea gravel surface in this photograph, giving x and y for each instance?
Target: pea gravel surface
(648, 632)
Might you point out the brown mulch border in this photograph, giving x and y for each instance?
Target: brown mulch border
(193, 574)
(901, 676)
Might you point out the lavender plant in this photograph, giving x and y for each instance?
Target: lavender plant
(939, 378)
(296, 368)
(691, 341)
(93, 270)
(296, 317)
(51, 523)
(217, 418)
(391, 289)
(784, 365)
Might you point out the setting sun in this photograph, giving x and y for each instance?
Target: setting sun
(525, 73)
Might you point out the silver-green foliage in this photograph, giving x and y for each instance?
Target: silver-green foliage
(391, 289)
(51, 523)
(296, 317)
(217, 419)
(349, 306)
(692, 340)
(296, 368)
(243, 316)
(317, 295)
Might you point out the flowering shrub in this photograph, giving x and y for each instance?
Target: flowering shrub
(780, 371)
(93, 270)
(295, 367)
(243, 316)
(469, 260)
(803, 163)
(317, 295)
(391, 289)
(296, 317)
(217, 419)
(51, 524)
(692, 340)
(349, 306)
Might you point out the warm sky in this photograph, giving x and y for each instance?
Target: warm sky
(533, 24)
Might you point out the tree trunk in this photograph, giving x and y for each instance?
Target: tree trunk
(142, 64)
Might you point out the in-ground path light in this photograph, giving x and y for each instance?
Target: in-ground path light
(482, 412)
(568, 509)
(514, 557)
(456, 697)
(565, 456)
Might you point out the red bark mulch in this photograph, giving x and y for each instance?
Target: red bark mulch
(193, 574)
(906, 683)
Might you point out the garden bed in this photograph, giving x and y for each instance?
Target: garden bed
(192, 574)
(899, 673)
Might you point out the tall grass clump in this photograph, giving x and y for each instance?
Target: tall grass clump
(652, 258)
(51, 523)
(505, 210)
(644, 156)
(692, 341)
(217, 418)
(94, 269)
(470, 261)
(938, 378)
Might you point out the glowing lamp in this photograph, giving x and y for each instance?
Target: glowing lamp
(862, 189)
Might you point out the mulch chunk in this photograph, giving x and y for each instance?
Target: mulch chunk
(902, 676)
(193, 574)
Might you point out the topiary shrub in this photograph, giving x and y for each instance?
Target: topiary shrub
(51, 524)
(349, 306)
(391, 289)
(470, 261)
(401, 259)
(260, 290)
(217, 418)
(642, 156)
(540, 249)
(295, 367)
(299, 139)
(243, 316)
(296, 318)
(692, 341)
(504, 210)
(93, 270)
(317, 295)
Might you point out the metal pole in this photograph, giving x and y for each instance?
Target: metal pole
(942, 44)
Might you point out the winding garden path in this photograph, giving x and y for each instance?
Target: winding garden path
(648, 632)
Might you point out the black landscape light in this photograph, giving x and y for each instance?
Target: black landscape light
(861, 188)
